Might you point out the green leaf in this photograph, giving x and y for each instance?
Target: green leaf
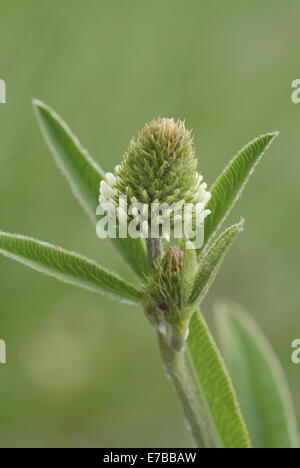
(211, 263)
(258, 379)
(65, 266)
(228, 187)
(134, 253)
(83, 175)
(216, 387)
(81, 171)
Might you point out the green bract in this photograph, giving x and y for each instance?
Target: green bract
(160, 165)
(163, 282)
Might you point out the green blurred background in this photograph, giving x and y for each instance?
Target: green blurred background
(83, 371)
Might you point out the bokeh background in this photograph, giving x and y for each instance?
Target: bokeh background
(83, 371)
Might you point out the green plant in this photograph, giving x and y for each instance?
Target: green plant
(160, 166)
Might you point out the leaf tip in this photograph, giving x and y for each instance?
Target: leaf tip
(274, 135)
(271, 138)
(241, 225)
(37, 103)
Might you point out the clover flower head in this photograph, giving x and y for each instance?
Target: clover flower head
(159, 168)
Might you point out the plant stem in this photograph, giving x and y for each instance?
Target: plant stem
(180, 369)
(154, 250)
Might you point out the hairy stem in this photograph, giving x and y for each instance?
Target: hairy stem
(180, 369)
(154, 250)
(172, 325)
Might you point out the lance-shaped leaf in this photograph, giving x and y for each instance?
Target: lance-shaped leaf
(216, 390)
(211, 263)
(228, 187)
(66, 266)
(83, 175)
(258, 379)
(81, 171)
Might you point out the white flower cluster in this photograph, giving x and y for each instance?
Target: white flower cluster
(159, 215)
